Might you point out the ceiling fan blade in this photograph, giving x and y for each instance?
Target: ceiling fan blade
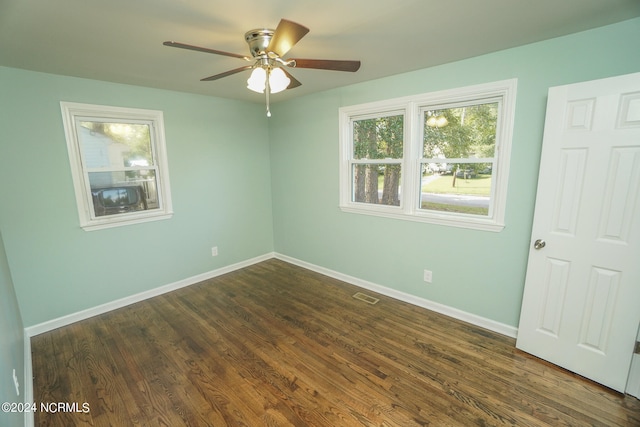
(287, 34)
(294, 82)
(226, 73)
(203, 49)
(327, 64)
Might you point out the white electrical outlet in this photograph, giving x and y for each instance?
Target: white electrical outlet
(428, 276)
(214, 251)
(16, 382)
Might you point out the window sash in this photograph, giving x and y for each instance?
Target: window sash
(384, 196)
(389, 116)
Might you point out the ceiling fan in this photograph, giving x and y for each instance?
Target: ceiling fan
(268, 48)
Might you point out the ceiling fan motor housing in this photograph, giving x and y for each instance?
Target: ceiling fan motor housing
(258, 40)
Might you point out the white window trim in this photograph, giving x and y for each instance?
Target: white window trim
(412, 105)
(70, 111)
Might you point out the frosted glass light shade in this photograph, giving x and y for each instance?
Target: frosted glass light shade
(257, 80)
(278, 80)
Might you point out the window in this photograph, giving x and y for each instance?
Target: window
(377, 159)
(440, 157)
(118, 164)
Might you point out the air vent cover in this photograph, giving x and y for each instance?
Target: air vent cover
(366, 298)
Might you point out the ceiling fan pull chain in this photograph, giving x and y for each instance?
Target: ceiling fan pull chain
(267, 89)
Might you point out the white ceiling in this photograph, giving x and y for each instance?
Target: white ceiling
(121, 40)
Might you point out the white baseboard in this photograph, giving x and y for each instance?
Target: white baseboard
(633, 387)
(473, 319)
(40, 328)
(50, 325)
(123, 302)
(483, 322)
(29, 419)
(633, 382)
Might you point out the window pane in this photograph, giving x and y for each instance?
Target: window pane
(378, 138)
(460, 132)
(377, 184)
(121, 192)
(461, 188)
(115, 145)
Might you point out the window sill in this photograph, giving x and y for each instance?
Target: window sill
(460, 221)
(101, 224)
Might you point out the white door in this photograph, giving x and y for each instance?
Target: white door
(581, 304)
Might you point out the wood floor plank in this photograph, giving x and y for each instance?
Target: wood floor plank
(277, 345)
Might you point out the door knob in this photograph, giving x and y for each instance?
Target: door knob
(539, 244)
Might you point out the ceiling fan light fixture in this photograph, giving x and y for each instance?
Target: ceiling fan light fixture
(257, 80)
(278, 80)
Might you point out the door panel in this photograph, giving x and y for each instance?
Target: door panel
(581, 304)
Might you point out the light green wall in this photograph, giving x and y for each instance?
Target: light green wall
(474, 271)
(228, 165)
(11, 344)
(220, 182)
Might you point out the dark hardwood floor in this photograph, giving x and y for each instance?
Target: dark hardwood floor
(277, 345)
